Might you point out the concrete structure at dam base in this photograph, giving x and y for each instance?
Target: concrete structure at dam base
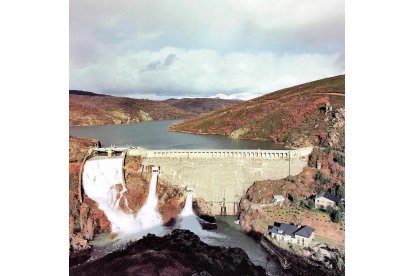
(220, 177)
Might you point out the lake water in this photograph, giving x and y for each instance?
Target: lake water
(155, 135)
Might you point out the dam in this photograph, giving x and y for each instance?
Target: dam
(220, 177)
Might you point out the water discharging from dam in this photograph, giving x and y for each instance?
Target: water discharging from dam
(101, 180)
(187, 219)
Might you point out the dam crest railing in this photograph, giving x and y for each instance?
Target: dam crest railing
(217, 153)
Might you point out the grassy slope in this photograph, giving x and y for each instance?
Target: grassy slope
(283, 116)
(201, 105)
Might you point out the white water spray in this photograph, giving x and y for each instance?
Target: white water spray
(148, 216)
(100, 177)
(187, 219)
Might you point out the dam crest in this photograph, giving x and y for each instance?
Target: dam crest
(220, 177)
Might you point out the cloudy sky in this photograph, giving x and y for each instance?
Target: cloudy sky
(187, 48)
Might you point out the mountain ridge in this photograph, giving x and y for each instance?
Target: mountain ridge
(311, 113)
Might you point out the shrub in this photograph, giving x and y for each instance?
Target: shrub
(319, 189)
(311, 204)
(319, 176)
(336, 216)
(339, 159)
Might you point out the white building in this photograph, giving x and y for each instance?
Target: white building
(297, 234)
(278, 199)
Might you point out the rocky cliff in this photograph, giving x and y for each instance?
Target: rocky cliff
(179, 253)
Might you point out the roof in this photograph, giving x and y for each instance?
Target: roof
(305, 231)
(291, 230)
(287, 229)
(279, 197)
(330, 197)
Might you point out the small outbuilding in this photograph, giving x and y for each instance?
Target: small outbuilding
(278, 199)
(325, 200)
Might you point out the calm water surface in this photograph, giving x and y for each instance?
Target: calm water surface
(155, 135)
(235, 237)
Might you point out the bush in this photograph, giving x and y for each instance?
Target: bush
(336, 216)
(302, 204)
(295, 199)
(319, 189)
(319, 176)
(342, 206)
(290, 179)
(311, 204)
(339, 159)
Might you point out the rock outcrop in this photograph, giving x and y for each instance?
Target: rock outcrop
(238, 133)
(179, 253)
(203, 210)
(78, 147)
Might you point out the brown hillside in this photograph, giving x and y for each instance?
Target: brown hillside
(201, 105)
(310, 113)
(92, 110)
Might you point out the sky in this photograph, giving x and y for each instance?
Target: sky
(159, 49)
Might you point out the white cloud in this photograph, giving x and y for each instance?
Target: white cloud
(215, 46)
(202, 72)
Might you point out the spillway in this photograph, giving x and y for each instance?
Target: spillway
(187, 219)
(102, 182)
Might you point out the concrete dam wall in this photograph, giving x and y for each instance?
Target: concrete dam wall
(222, 177)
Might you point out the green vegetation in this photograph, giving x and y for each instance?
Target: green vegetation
(321, 178)
(330, 242)
(338, 190)
(291, 179)
(340, 159)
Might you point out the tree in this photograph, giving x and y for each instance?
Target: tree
(302, 204)
(340, 191)
(335, 216)
(342, 206)
(311, 203)
(295, 199)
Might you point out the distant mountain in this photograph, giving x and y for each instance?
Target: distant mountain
(87, 108)
(85, 93)
(201, 105)
(310, 113)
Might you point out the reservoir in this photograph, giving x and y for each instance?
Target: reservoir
(155, 135)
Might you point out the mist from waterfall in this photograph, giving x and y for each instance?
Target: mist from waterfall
(187, 219)
(101, 180)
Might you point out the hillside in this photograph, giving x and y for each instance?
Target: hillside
(310, 113)
(94, 109)
(201, 105)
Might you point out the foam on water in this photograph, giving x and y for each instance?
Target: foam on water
(189, 221)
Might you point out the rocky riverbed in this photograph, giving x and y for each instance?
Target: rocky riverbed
(179, 253)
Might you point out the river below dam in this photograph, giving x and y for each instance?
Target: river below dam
(155, 135)
(227, 234)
